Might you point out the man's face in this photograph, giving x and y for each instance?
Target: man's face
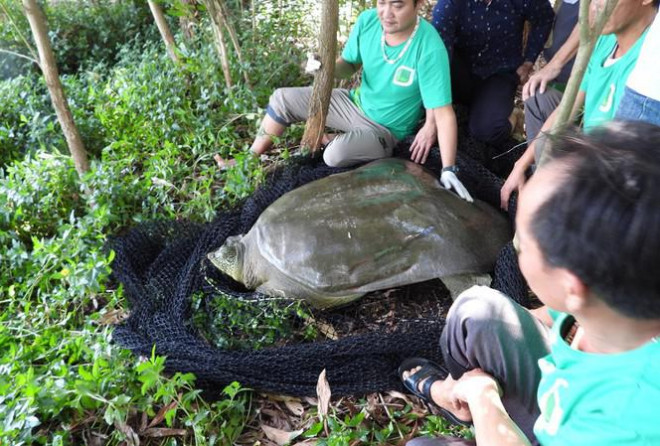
(625, 14)
(397, 16)
(542, 278)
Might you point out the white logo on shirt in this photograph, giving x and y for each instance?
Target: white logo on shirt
(551, 410)
(403, 76)
(606, 106)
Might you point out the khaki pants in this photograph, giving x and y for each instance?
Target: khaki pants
(362, 139)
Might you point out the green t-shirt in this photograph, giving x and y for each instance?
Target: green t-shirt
(598, 399)
(604, 85)
(393, 94)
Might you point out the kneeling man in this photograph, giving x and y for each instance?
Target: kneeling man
(584, 369)
(405, 71)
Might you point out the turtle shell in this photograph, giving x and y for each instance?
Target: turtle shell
(386, 224)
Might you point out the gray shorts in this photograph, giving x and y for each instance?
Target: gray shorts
(487, 330)
(362, 139)
(538, 109)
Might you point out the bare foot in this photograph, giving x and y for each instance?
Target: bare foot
(440, 391)
(223, 163)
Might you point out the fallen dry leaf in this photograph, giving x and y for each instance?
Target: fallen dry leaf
(144, 419)
(311, 401)
(372, 402)
(327, 330)
(279, 436)
(132, 438)
(323, 393)
(295, 407)
(388, 293)
(399, 395)
(114, 317)
(160, 416)
(160, 432)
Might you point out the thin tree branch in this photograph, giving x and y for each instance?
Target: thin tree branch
(13, 53)
(18, 32)
(588, 37)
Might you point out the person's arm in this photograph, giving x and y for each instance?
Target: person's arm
(424, 139)
(445, 123)
(350, 59)
(541, 16)
(516, 178)
(344, 70)
(551, 70)
(492, 424)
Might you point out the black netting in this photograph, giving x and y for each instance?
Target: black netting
(162, 264)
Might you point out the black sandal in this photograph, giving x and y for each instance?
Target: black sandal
(429, 372)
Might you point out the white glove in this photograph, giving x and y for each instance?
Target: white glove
(450, 181)
(313, 64)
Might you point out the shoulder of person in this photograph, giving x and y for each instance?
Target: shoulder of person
(429, 36)
(368, 15)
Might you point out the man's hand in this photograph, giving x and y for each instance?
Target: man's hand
(539, 81)
(419, 149)
(313, 64)
(482, 395)
(450, 181)
(472, 386)
(523, 71)
(514, 182)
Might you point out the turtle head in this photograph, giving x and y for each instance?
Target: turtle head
(229, 258)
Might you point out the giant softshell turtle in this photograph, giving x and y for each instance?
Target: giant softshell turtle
(386, 224)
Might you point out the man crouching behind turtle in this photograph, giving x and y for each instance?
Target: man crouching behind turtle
(405, 70)
(586, 368)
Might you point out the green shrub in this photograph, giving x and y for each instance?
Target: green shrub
(151, 129)
(82, 33)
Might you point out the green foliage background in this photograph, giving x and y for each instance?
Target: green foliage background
(151, 129)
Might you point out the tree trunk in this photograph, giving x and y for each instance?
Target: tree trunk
(164, 29)
(220, 45)
(189, 19)
(588, 37)
(234, 40)
(220, 18)
(49, 68)
(323, 83)
(253, 12)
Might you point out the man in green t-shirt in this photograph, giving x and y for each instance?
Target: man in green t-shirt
(405, 71)
(584, 369)
(601, 90)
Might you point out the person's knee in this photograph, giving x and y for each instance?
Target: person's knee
(476, 307)
(532, 104)
(541, 105)
(334, 157)
(276, 97)
(490, 131)
(277, 107)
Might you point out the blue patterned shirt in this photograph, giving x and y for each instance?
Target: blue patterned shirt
(488, 35)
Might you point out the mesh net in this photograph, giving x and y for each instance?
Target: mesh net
(163, 265)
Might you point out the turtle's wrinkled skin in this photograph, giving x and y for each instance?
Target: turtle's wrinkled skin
(386, 224)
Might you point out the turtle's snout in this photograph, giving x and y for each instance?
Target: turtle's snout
(228, 259)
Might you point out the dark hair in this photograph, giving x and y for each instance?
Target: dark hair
(656, 3)
(603, 221)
